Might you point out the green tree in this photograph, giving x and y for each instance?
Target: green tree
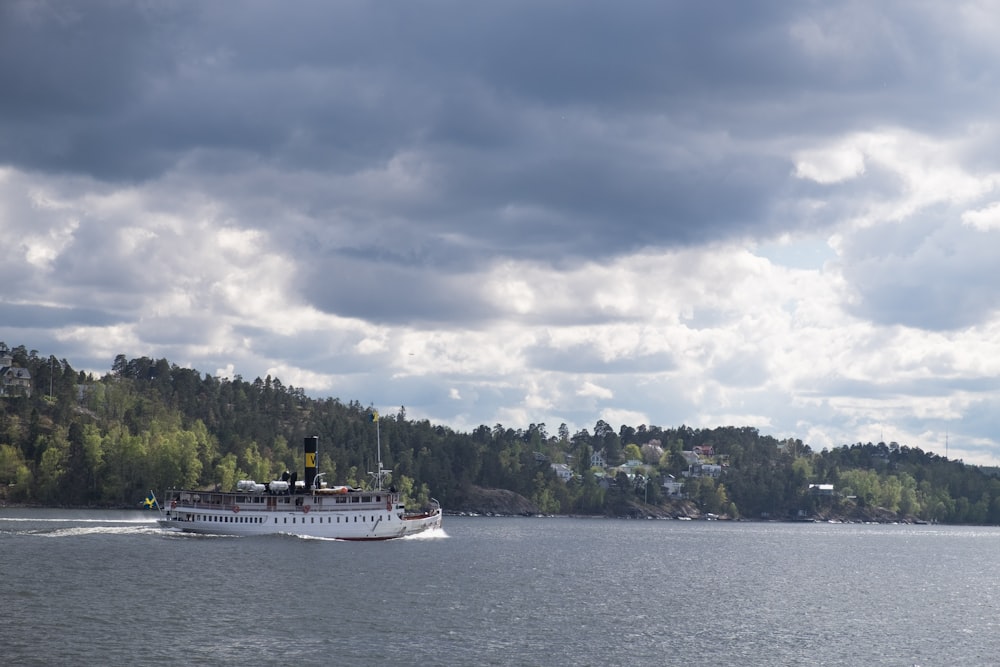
(632, 452)
(15, 475)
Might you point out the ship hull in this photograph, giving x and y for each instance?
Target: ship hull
(360, 516)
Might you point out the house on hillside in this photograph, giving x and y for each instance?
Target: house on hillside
(691, 458)
(709, 470)
(632, 466)
(703, 470)
(672, 487)
(597, 460)
(562, 471)
(14, 381)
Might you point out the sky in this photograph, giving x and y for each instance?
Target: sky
(783, 215)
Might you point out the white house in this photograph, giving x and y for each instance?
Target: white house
(672, 487)
(597, 460)
(563, 471)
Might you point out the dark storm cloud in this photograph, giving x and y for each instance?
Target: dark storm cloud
(391, 293)
(32, 316)
(612, 129)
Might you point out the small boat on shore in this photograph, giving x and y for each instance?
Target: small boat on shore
(308, 508)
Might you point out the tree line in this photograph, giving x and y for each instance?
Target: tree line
(80, 440)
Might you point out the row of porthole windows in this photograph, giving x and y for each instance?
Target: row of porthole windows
(329, 519)
(229, 519)
(255, 519)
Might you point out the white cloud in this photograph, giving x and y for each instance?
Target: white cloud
(831, 165)
(984, 219)
(591, 389)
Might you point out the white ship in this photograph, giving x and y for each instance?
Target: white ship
(308, 508)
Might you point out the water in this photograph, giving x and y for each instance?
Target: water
(110, 588)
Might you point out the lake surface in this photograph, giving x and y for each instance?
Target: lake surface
(111, 588)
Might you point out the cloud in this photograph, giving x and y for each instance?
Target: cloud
(778, 215)
(984, 219)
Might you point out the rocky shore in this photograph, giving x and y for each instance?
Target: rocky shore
(500, 502)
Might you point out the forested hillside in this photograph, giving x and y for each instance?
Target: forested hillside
(77, 440)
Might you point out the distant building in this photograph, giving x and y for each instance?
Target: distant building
(711, 470)
(562, 471)
(597, 460)
(821, 489)
(672, 487)
(703, 470)
(14, 381)
(690, 457)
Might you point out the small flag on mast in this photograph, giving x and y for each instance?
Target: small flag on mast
(374, 415)
(150, 502)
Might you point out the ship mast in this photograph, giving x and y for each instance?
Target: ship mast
(379, 475)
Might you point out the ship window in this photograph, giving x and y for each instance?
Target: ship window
(276, 519)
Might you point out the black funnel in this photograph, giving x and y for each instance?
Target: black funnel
(311, 445)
